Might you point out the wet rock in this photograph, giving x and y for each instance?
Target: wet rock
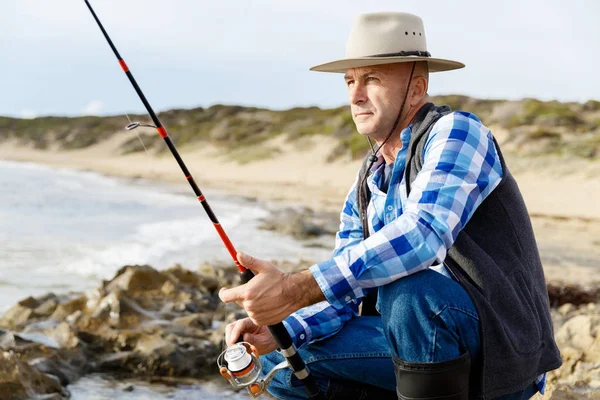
(61, 370)
(46, 308)
(18, 380)
(114, 361)
(155, 345)
(143, 322)
(168, 288)
(301, 223)
(64, 335)
(69, 306)
(18, 316)
(200, 321)
(136, 279)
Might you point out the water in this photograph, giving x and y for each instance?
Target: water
(63, 230)
(101, 387)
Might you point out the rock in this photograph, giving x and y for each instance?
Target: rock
(47, 308)
(155, 345)
(302, 223)
(181, 275)
(143, 322)
(121, 311)
(578, 339)
(168, 288)
(69, 306)
(59, 369)
(64, 335)
(114, 361)
(18, 380)
(137, 279)
(578, 332)
(566, 308)
(128, 388)
(201, 321)
(18, 316)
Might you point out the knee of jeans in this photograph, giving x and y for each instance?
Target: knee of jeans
(411, 308)
(280, 382)
(270, 360)
(409, 298)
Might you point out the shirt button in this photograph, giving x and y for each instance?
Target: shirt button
(390, 208)
(348, 298)
(302, 336)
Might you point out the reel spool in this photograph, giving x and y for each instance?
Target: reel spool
(240, 365)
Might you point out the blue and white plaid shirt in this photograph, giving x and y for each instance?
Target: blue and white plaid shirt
(461, 167)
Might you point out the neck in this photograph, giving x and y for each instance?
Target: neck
(394, 144)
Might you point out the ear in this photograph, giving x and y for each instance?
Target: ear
(418, 90)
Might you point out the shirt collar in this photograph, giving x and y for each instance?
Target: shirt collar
(377, 166)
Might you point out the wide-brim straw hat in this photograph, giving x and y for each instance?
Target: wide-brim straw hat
(387, 38)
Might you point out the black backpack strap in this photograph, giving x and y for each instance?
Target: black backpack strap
(363, 196)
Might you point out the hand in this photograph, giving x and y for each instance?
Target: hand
(272, 295)
(257, 336)
(265, 298)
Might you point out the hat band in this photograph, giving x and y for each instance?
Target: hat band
(417, 53)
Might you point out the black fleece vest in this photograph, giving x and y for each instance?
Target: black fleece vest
(495, 258)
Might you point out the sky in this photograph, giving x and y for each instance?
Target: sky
(196, 53)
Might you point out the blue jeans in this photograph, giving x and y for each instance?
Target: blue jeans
(425, 317)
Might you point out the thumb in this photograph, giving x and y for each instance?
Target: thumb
(253, 264)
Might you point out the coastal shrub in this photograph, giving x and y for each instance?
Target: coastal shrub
(591, 105)
(532, 127)
(550, 113)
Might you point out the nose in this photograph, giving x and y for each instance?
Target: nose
(357, 94)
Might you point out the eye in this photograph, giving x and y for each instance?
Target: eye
(371, 79)
(349, 82)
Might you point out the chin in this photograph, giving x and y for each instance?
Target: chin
(364, 129)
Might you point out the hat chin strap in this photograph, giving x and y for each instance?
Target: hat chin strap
(374, 152)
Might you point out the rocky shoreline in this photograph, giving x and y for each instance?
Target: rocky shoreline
(142, 323)
(147, 323)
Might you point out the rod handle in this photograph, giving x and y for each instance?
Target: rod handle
(247, 275)
(284, 341)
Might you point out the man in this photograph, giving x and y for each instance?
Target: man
(436, 225)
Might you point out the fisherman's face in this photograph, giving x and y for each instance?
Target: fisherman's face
(375, 95)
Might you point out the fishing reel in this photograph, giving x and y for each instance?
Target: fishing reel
(240, 365)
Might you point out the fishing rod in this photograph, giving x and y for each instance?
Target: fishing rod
(239, 364)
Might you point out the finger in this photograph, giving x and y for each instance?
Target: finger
(228, 330)
(233, 294)
(234, 335)
(253, 264)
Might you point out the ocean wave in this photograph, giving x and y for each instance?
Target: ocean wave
(157, 243)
